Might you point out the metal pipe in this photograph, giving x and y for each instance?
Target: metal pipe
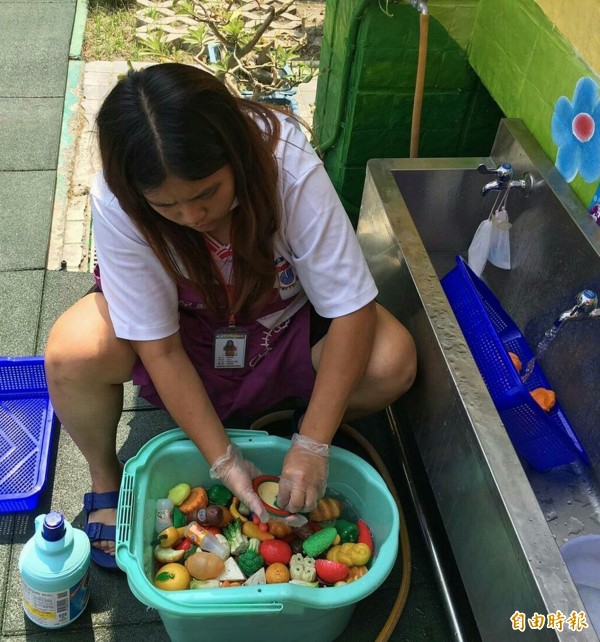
(415, 129)
(460, 635)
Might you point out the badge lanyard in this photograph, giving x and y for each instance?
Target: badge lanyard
(229, 343)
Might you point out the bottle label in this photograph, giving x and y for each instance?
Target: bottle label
(56, 609)
(196, 533)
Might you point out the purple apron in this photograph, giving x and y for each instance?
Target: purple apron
(278, 361)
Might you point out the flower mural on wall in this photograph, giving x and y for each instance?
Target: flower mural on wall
(576, 132)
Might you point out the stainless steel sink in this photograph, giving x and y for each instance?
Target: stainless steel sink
(504, 521)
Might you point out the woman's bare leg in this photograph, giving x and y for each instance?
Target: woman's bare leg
(86, 366)
(390, 371)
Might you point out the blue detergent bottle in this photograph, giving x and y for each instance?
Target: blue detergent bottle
(55, 566)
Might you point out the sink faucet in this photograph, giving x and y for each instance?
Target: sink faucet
(586, 306)
(504, 179)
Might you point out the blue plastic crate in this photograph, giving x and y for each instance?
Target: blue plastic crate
(26, 418)
(544, 439)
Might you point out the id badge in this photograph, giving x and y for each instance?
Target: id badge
(230, 348)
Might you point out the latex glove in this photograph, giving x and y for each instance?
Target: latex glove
(295, 521)
(304, 475)
(237, 474)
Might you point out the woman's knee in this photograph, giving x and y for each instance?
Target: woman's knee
(393, 365)
(82, 344)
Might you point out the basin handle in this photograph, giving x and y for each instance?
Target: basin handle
(504, 171)
(504, 179)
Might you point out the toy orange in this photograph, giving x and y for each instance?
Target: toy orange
(277, 573)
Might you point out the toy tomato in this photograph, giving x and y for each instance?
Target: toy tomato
(275, 550)
(330, 571)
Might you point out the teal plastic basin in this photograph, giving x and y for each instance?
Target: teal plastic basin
(279, 612)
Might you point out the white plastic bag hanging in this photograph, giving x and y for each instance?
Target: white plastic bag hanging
(480, 246)
(499, 251)
(492, 241)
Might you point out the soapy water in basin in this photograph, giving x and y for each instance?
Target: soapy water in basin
(542, 346)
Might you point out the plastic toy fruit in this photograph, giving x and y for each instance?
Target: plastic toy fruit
(196, 499)
(517, 363)
(204, 566)
(350, 554)
(328, 508)
(220, 495)
(364, 534)
(276, 550)
(319, 542)
(267, 487)
(302, 568)
(172, 577)
(546, 399)
(330, 571)
(167, 555)
(277, 573)
(179, 493)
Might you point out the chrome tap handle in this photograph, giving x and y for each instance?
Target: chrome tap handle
(586, 305)
(504, 172)
(586, 302)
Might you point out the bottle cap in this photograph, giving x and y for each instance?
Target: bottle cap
(54, 527)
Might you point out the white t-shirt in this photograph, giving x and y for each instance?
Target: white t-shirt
(315, 251)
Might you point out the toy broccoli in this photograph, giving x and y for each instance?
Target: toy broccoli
(251, 561)
(238, 542)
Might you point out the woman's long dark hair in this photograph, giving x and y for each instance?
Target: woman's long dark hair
(176, 120)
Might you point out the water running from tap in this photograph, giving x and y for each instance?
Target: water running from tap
(542, 346)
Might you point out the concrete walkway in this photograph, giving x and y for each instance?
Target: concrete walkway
(39, 69)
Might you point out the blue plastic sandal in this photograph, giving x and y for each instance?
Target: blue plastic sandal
(97, 531)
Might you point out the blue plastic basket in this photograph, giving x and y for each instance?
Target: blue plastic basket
(26, 418)
(544, 439)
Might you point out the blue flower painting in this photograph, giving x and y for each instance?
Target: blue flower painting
(576, 132)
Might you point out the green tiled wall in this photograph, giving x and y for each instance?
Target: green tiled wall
(459, 117)
(527, 65)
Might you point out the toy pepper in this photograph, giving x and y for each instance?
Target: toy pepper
(220, 495)
(348, 531)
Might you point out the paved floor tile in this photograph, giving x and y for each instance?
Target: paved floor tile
(25, 218)
(20, 299)
(30, 133)
(34, 48)
(61, 290)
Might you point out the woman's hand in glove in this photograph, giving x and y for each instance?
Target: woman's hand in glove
(237, 474)
(304, 475)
